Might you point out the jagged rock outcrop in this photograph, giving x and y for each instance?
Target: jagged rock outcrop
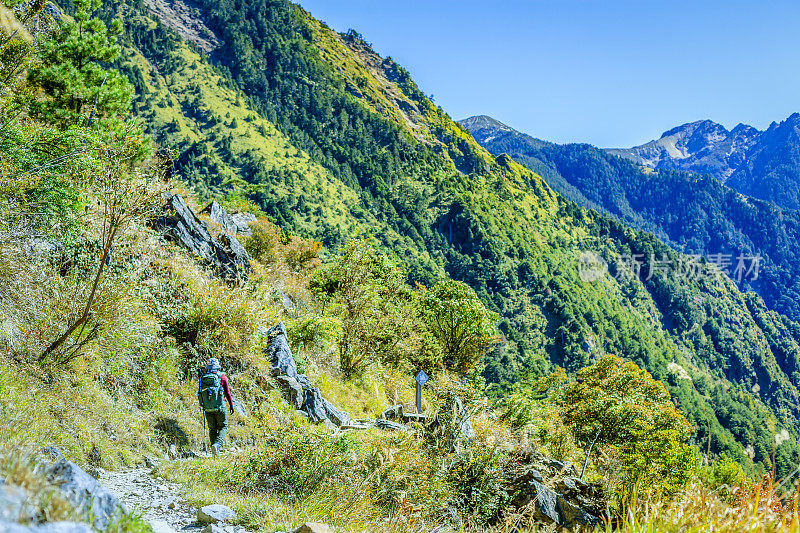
(83, 491)
(554, 493)
(225, 254)
(233, 223)
(549, 506)
(297, 388)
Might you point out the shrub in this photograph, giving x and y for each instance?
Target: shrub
(476, 479)
(369, 295)
(262, 243)
(632, 416)
(314, 333)
(459, 321)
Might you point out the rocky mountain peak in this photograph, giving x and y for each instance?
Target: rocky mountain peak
(484, 122)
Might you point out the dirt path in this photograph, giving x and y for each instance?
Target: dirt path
(156, 500)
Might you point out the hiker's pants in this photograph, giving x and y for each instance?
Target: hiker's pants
(217, 426)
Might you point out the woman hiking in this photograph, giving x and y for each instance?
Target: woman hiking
(213, 391)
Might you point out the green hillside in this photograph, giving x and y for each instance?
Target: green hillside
(694, 214)
(444, 206)
(387, 240)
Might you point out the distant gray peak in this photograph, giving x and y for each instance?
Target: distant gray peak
(484, 122)
(700, 126)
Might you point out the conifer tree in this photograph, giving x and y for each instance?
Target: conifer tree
(73, 71)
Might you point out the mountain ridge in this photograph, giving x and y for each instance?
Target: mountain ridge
(759, 163)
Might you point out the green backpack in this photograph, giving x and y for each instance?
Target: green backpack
(211, 396)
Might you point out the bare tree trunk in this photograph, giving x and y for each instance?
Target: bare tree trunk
(83, 319)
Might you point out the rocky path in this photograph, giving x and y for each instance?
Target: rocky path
(158, 501)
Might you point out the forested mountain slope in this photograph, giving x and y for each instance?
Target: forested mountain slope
(694, 214)
(352, 146)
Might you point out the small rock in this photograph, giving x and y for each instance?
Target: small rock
(393, 413)
(213, 528)
(173, 451)
(389, 425)
(314, 527)
(161, 526)
(212, 514)
(150, 462)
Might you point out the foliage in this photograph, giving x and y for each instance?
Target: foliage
(314, 333)
(71, 70)
(261, 244)
(460, 323)
(332, 155)
(374, 305)
(622, 407)
(476, 477)
(125, 191)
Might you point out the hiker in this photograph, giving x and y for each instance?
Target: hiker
(212, 393)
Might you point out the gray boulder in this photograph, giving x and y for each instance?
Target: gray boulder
(84, 492)
(549, 506)
(214, 514)
(292, 391)
(235, 260)
(279, 352)
(314, 403)
(337, 416)
(234, 223)
(217, 214)
(14, 504)
(393, 413)
(227, 257)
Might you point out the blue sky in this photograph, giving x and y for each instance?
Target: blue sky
(608, 72)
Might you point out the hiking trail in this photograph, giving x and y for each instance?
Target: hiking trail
(157, 501)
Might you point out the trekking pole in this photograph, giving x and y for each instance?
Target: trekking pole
(205, 433)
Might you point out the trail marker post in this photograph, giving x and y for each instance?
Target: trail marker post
(421, 378)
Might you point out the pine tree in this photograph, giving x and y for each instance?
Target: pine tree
(73, 71)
